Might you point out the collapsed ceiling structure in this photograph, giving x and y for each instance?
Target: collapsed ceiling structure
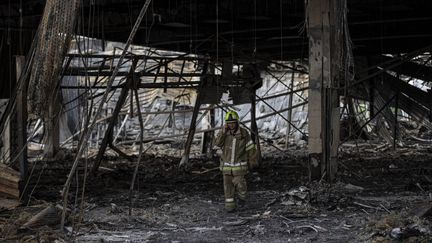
(102, 75)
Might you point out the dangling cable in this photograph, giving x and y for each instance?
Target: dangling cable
(281, 34)
(255, 28)
(232, 32)
(217, 31)
(217, 47)
(21, 21)
(190, 26)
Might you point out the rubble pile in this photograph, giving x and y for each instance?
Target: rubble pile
(399, 226)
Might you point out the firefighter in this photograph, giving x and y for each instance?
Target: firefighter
(238, 156)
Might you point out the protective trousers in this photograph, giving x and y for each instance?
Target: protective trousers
(234, 184)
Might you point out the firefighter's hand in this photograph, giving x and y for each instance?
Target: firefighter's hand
(225, 128)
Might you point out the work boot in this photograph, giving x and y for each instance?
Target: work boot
(230, 210)
(241, 203)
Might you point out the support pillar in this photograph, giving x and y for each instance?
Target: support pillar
(18, 131)
(290, 101)
(323, 93)
(254, 127)
(185, 158)
(172, 121)
(395, 126)
(208, 137)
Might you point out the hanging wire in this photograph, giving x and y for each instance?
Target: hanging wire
(255, 28)
(21, 21)
(281, 30)
(232, 31)
(217, 47)
(190, 26)
(217, 31)
(9, 42)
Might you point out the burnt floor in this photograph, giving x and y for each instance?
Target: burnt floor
(375, 195)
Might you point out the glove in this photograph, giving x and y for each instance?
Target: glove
(225, 128)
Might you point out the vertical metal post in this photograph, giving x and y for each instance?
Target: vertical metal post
(20, 152)
(395, 125)
(290, 101)
(173, 118)
(192, 128)
(371, 99)
(207, 137)
(254, 127)
(185, 158)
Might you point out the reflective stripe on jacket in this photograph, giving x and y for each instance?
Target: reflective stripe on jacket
(236, 151)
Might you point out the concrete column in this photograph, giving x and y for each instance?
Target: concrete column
(323, 94)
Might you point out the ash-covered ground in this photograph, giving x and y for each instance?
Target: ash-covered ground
(382, 196)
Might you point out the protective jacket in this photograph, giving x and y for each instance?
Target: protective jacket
(238, 151)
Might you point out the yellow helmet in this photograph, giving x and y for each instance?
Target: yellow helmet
(231, 116)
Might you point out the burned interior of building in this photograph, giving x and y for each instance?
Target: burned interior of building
(115, 121)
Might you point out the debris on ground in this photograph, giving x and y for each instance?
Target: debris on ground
(49, 216)
(170, 205)
(399, 226)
